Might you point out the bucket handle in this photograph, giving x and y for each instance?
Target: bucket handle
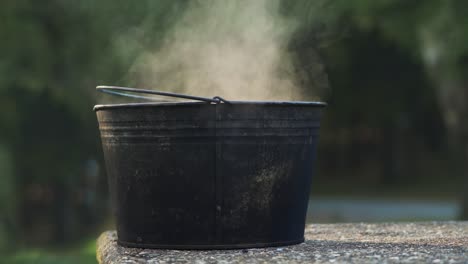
(126, 91)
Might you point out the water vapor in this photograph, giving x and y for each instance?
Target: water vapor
(234, 49)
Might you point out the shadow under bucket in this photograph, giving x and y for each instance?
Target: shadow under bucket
(198, 175)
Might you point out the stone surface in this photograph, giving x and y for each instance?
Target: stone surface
(429, 242)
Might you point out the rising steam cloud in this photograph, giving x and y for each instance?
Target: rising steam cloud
(234, 49)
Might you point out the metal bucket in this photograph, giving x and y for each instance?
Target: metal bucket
(197, 175)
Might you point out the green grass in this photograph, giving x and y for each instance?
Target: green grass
(83, 254)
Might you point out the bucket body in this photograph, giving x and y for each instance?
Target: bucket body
(194, 175)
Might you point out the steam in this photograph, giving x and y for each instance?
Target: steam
(233, 49)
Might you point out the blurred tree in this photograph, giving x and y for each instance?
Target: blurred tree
(367, 71)
(53, 56)
(47, 59)
(435, 32)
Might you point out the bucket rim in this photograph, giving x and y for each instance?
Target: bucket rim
(150, 104)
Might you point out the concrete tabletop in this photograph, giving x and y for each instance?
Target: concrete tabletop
(426, 242)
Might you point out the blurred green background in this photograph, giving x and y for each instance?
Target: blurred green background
(393, 140)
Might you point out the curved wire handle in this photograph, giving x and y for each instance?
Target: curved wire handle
(124, 91)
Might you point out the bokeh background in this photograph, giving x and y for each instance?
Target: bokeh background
(394, 138)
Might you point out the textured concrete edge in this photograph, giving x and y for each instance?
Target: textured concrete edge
(347, 243)
(101, 243)
(99, 252)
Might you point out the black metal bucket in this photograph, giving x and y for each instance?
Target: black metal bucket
(197, 175)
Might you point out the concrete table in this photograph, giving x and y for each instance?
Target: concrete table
(427, 242)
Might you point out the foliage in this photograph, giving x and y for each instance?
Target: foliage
(85, 254)
(415, 24)
(54, 55)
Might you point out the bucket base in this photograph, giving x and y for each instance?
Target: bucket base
(207, 247)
